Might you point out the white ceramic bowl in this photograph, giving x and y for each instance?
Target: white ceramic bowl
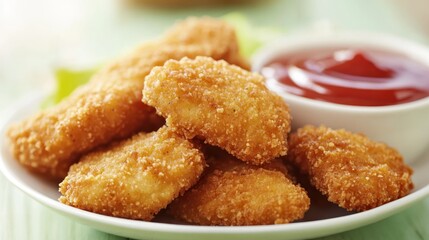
(404, 126)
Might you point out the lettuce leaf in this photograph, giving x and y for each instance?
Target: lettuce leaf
(250, 38)
(67, 80)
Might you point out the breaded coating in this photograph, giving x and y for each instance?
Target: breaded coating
(134, 178)
(222, 104)
(351, 170)
(109, 107)
(234, 193)
(218, 37)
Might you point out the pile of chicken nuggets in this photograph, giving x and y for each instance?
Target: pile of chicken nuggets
(181, 124)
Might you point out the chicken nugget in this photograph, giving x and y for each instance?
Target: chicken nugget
(134, 178)
(221, 104)
(109, 107)
(217, 36)
(351, 170)
(234, 193)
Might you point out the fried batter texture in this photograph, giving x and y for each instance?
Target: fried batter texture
(234, 193)
(222, 104)
(134, 178)
(109, 107)
(216, 36)
(352, 171)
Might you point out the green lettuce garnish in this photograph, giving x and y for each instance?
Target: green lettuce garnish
(67, 80)
(250, 38)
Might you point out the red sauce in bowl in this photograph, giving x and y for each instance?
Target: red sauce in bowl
(350, 77)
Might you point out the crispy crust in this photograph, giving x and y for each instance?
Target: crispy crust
(234, 193)
(222, 104)
(217, 36)
(109, 107)
(134, 178)
(351, 170)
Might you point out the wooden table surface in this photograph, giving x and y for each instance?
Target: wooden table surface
(38, 36)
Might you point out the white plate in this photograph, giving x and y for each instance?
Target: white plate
(323, 218)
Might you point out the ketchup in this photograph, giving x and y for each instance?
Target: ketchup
(350, 77)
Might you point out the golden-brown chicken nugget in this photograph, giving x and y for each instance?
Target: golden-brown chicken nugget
(222, 104)
(217, 36)
(351, 170)
(134, 178)
(109, 107)
(234, 193)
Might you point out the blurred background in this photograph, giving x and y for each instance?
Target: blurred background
(36, 37)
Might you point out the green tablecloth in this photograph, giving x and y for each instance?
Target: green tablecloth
(37, 36)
